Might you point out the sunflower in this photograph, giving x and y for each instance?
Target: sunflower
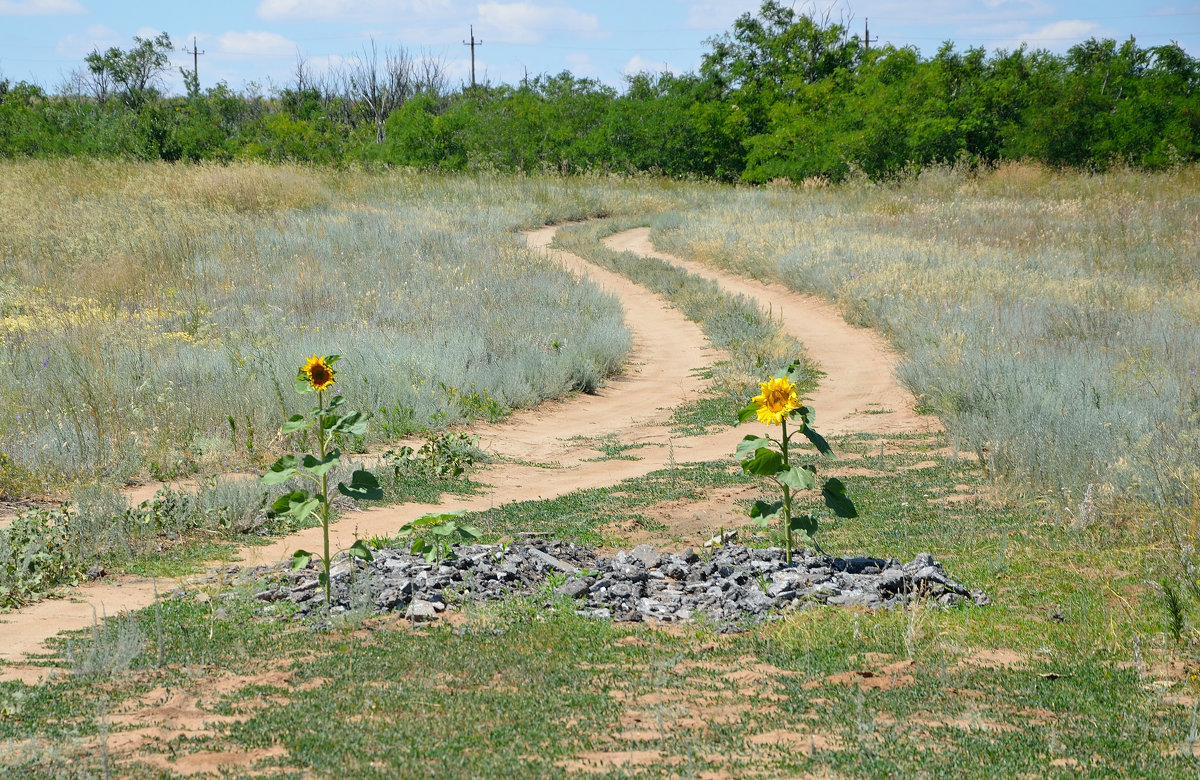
(318, 373)
(777, 397)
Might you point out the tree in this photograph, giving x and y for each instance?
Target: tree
(134, 73)
(381, 88)
(766, 58)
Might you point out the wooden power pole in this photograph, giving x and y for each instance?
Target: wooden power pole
(473, 43)
(195, 61)
(867, 34)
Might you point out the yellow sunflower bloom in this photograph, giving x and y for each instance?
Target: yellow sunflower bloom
(320, 375)
(777, 397)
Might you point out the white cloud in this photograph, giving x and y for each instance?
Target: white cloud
(40, 8)
(254, 44)
(639, 64)
(79, 45)
(525, 22)
(717, 16)
(1058, 36)
(350, 10)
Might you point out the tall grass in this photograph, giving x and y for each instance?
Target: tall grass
(1051, 320)
(152, 317)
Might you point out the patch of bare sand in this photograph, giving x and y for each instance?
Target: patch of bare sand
(859, 366)
(806, 743)
(210, 762)
(994, 658)
(28, 674)
(885, 678)
(689, 523)
(604, 761)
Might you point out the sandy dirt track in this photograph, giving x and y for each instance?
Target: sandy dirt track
(634, 407)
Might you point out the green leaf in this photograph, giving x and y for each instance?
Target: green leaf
(359, 550)
(302, 511)
(294, 423)
(300, 559)
(806, 523)
(283, 470)
(818, 441)
(470, 532)
(283, 504)
(320, 467)
(763, 512)
(834, 493)
(765, 462)
(799, 478)
(302, 384)
(363, 487)
(806, 413)
(335, 404)
(354, 423)
(748, 411)
(323, 578)
(747, 446)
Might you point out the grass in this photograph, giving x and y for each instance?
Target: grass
(1081, 665)
(1049, 319)
(153, 316)
(517, 689)
(756, 346)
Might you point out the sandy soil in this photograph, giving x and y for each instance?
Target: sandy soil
(859, 393)
(634, 407)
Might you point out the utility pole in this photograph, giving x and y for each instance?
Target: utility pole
(473, 44)
(867, 34)
(195, 61)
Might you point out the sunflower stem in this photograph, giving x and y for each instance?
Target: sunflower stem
(787, 495)
(324, 491)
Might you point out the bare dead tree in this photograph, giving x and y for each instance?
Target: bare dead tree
(429, 75)
(381, 87)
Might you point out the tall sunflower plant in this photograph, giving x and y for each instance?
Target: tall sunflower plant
(318, 375)
(775, 458)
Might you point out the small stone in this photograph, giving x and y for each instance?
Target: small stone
(421, 610)
(573, 588)
(648, 556)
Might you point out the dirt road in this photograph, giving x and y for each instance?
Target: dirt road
(858, 394)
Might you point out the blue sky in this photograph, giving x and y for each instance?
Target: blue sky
(259, 40)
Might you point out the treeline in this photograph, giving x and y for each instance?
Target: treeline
(781, 95)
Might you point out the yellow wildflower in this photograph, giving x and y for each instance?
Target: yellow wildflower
(777, 397)
(320, 375)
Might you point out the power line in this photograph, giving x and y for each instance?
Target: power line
(473, 44)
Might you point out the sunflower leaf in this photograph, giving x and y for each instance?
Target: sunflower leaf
(354, 423)
(321, 467)
(747, 446)
(283, 504)
(834, 493)
(360, 550)
(300, 559)
(282, 470)
(363, 487)
(765, 462)
(806, 522)
(302, 511)
(746, 412)
(763, 512)
(302, 385)
(798, 477)
(818, 441)
(294, 423)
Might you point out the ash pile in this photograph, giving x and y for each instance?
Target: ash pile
(728, 584)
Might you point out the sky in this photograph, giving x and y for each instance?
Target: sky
(260, 41)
